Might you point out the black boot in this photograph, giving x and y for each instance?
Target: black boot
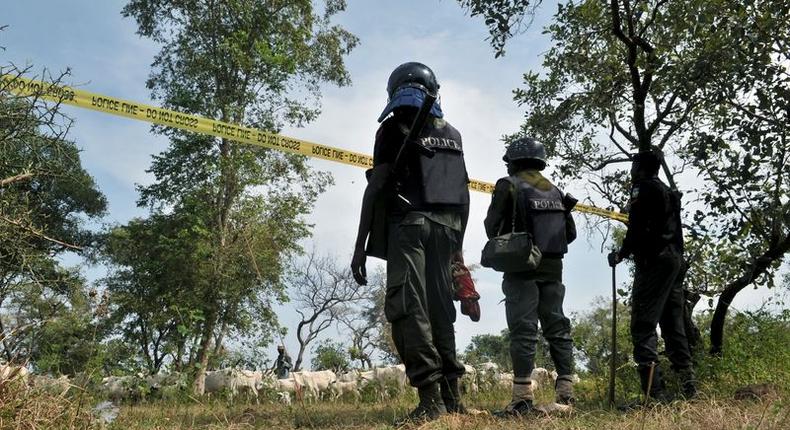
(431, 406)
(451, 396)
(658, 390)
(658, 393)
(688, 383)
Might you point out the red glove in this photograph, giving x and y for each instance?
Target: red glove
(464, 288)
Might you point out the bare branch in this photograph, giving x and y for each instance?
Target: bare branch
(40, 234)
(15, 178)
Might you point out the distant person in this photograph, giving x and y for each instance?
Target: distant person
(426, 207)
(655, 242)
(543, 210)
(283, 364)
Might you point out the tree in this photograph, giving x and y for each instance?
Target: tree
(504, 18)
(259, 64)
(367, 323)
(46, 200)
(745, 155)
(592, 341)
(151, 275)
(321, 291)
(625, 75)
(329, 355)
(490, 347)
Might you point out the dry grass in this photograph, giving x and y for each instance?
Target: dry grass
(701, 414)
(24, 408)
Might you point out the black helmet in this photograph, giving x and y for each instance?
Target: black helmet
(413, 74)
(525, 148)
(408, 85)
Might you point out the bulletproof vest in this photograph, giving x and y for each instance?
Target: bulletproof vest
(670, 229)
(439, 181)
(546, 217)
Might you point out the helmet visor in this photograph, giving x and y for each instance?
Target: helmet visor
(409, 96)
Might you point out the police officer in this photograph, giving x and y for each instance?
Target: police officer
(424, 185)
(533, 296)
(655, 242)
(282, 365)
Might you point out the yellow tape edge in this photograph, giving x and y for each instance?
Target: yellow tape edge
(198, 124)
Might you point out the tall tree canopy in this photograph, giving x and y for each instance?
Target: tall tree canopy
(705, 81)
(260, 64)
(46, 200)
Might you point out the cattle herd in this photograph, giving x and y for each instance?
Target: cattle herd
(382, 382)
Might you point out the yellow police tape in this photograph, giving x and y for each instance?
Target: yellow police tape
(155, 115)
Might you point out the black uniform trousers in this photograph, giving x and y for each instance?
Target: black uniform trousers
(419, 300)
(657, 299)
(529, 299)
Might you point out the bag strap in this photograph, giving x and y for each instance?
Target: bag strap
(514, 195)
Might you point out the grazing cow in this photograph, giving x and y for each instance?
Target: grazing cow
(234, 380)
(350, 376)
(505, 380)
(468, 382)
(123, 387)
(488, 376)
(314, 383)
(489, 367)
(540, 377)
(341, 388)
(385, 379)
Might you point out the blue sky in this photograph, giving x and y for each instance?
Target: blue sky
(106, 56)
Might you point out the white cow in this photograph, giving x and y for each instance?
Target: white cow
(122, 387)
(350, 376)
(234, 380)
(505, 379)
(489, 367)
(488, 375)
(385, 378)
(468, 382)
(540, 377)
(340, 388)
(390, 374)
(314, 383)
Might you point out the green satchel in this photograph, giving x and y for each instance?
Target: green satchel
(514, 251)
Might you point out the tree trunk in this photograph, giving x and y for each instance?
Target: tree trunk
(298, 362)
(199, 386)
(759, 266)
(693, 334)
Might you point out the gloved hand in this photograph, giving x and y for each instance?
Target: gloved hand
(569, 202)
(465, 292)
(358, 266)
(614, 258)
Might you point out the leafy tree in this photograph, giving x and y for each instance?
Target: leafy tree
(745, 155)
(260, 64)
(504, 18)
(46, 199)
(152, 264)
(490, 347)
(693, 78)
(330, 355)
(592, 340)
